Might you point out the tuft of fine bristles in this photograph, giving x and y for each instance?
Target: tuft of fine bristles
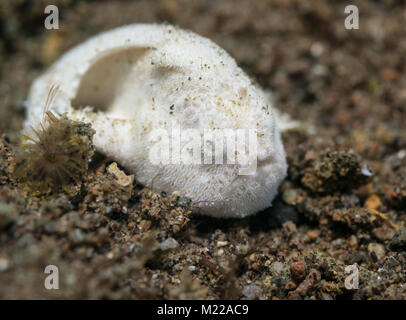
(57, 154)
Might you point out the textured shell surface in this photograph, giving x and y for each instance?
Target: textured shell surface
(133, 80)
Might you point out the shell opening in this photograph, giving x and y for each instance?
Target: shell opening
(102, 85)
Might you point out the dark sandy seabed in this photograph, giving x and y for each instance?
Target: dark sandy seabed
(115, 240)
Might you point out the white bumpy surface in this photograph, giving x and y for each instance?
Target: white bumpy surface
(132, 80)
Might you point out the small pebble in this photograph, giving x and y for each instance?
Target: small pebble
(251, 291)
(221, 244)
(298, 270)
(365, 171)
(383, 233)
(290, 196)
(313, 234)
(277, 267)
(398, 242)
(169, 243)
(122, 179)
(376, 251)
(289, 228)
(401, 154)
(373, 202)
(4, 264)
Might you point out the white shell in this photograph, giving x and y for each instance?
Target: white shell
(133, 80)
